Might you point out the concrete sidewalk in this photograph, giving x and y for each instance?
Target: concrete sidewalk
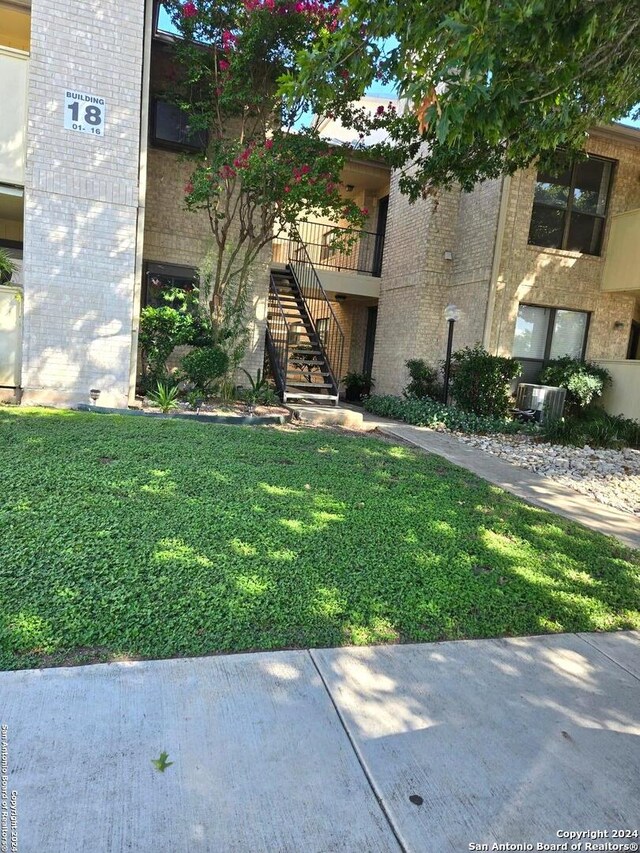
(423, 748)
(531, 487)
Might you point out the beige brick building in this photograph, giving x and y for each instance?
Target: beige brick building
(92, 175)
(578, 292)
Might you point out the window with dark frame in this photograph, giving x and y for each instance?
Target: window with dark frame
(570, 208)
(544, 333)
(160, 278)
(322, 327)
(170, 128)
(163, 26)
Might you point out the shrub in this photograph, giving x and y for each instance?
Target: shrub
(480, 381)
(204, 366)
(165, 397)
(583, 380)
(628, 429)
(260, 391)
(593, 427)
(432, 414)
(424, 380)
(357, 385)
(161, 330)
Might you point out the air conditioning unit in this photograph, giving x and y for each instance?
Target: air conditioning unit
(545, 401)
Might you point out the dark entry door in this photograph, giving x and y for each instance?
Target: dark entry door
(634, 340)
(372, 319)
(381, 227)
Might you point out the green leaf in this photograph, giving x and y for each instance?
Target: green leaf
(161, 763)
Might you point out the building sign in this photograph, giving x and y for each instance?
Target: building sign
(83, 112)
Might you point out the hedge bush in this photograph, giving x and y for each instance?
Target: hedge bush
(480, 382)
(593, 427)
(584, 381)
(424, 381)
(204, 366)
(432, 414)
(161, 330)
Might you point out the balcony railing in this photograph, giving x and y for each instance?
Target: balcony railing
(333, 247)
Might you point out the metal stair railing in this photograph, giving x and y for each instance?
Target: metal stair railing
(278, 336)
(330, 336)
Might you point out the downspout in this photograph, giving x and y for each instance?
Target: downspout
(497, 257)
(142, 194)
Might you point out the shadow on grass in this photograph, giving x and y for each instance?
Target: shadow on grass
(198, 539)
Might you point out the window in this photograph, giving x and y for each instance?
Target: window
(545, 333)
(164, 28)
(163, 25)
(322, 327)
(170, 128)
(569, 208)
(160, 278)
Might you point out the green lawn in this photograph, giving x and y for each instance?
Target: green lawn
(124, 536)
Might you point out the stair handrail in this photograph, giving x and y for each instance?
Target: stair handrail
(279, 349)
(332, 341)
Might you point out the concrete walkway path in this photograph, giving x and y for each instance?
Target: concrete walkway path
(423, 748)
(531, 487)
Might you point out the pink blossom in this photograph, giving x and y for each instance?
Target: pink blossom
(305, 169)
(228, 40)
(364, 211)
(268, 144)
(227, 172)
(223, 65)
(287, 189)
(344, 74)
(380, 111)
(188, 188)
(189, 10)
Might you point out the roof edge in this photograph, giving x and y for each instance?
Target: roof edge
(617, 131)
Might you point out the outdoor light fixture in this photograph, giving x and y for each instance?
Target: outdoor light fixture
(451, 314)
(94, 393)
(350, 187)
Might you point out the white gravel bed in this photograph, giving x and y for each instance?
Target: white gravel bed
(610, 476)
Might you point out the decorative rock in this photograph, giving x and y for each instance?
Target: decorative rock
(610, 476)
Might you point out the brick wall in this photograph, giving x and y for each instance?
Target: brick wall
(417, 283)
(558, 278)
(473, 252)
(175, 235)
(81, 197)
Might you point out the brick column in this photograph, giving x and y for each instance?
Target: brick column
(81, 201)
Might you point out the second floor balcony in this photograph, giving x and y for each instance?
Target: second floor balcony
(347, 260)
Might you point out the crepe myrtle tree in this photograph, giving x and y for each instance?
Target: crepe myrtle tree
(263, 165)
(488, 87)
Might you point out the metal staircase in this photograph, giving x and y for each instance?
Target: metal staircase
(305, 343)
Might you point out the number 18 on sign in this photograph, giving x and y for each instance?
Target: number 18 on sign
(84, 112)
